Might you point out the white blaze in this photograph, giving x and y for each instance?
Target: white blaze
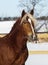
(29, 20)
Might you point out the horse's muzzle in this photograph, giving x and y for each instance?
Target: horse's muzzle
(32, 38)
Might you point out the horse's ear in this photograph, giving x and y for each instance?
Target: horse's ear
(32, 12)
(23, 13)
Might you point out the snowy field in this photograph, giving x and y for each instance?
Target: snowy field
(6, 26)
(37, 59)
(34, 58)
(40, 26)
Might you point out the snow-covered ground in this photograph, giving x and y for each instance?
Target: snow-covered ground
(37, 47)
(40, 26)
(5, 26)
(37, 59)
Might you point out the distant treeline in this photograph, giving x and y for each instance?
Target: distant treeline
(8, 18)
(43, 18)
(15, 18)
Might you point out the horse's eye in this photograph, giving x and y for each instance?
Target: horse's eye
(27, 18)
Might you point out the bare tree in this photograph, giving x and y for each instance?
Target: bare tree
(29, 4)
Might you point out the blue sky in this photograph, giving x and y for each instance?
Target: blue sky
(9, 8)
(12, 8)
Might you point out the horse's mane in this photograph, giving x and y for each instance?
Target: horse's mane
(16, 24)
(14, 28)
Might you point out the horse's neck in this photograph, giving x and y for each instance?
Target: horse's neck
(21, 40)
(16, 36)
(12, 34)
(14, 29)
(15, 25)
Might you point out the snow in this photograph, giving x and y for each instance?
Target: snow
(37, 59)
(5, 26)
(37, 47)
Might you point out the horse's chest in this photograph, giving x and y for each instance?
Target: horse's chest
(7, 56)
(21, 58)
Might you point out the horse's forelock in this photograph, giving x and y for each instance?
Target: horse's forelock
(30, 16)
(24, 17)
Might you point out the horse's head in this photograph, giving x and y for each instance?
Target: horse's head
(27, 23)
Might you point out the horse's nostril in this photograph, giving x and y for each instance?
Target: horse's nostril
(31, 36)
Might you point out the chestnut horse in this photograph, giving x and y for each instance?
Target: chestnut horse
(13, 47)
